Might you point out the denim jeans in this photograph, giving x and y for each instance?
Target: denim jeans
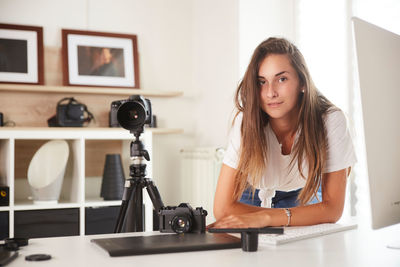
(281, 199)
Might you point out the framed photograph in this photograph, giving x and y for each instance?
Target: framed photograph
(100, 59)
(21, 54)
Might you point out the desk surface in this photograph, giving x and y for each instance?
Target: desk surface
(359, 247)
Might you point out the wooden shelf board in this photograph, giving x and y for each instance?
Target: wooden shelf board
(29, 205)
(86, 90)
(77, 132)
(99, 202)
(4, 208)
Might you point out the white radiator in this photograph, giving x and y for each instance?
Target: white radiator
(199, 172)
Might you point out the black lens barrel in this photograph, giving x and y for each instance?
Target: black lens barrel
(126, 118)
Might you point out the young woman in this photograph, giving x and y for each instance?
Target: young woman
(287, 143)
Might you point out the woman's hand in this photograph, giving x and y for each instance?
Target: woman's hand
(247, 220)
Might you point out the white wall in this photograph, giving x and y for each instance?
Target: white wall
(215, 68)
(261, 19)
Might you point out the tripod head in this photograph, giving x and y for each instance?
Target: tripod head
(138, 154)
(137, 149)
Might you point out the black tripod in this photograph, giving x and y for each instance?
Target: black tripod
(131, 211)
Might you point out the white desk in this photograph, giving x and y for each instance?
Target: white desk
(351, 248)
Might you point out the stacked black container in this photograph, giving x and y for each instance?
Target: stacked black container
(112, 186)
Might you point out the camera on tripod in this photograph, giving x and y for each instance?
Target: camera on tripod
(132, 114)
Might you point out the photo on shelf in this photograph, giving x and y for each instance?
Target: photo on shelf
(100, 59)
(21, 54)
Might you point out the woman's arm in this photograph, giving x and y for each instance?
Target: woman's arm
(331, 208)
(224, 202)
(230, 213)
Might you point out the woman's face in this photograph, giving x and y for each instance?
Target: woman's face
(279, 87)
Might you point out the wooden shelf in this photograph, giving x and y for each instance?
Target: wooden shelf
(29, 205)
(77, 132)
(86, 90)
(101, 203)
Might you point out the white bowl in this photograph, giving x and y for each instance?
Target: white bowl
(46, 171)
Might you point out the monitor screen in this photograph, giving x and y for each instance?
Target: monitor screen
(378, 60)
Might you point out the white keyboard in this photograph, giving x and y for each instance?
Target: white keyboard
(303, 232)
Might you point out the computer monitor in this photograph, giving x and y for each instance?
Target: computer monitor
(378, 59)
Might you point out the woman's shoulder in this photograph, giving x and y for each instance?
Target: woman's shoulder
(340, 150)
(335, 116)
(336, 122)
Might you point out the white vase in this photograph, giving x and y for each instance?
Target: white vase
(46, 171)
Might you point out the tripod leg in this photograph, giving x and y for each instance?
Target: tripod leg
(154, 195)
(129, 188)
(134, 219)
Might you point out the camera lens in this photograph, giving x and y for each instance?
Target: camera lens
(181, 224)
(131, 115)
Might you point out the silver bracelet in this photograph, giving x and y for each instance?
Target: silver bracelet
(289, 216)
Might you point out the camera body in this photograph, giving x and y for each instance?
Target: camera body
(182, 219)
(132, 113)
(113, 112)
(70, 115)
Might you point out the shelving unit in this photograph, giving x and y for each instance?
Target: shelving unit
(80, 200)
(80, 189)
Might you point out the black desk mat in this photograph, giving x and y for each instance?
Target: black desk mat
(166, 243)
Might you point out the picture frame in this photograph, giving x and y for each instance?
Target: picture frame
(21, 54)
(100, 59)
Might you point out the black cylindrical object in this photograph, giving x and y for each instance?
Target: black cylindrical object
(1, 119)
(249, 241)
(112, 186)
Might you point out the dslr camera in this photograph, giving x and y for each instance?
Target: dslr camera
(182, 219)
(132, 113)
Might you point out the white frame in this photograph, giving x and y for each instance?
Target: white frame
(33, 36)
(73, 39)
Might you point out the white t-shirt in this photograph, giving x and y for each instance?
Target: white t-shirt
(278, 175)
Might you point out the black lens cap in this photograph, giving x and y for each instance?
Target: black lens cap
(38, 257)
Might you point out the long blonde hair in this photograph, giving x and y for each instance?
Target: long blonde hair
(311, 144)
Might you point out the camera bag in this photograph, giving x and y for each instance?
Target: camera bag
(70, 113)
